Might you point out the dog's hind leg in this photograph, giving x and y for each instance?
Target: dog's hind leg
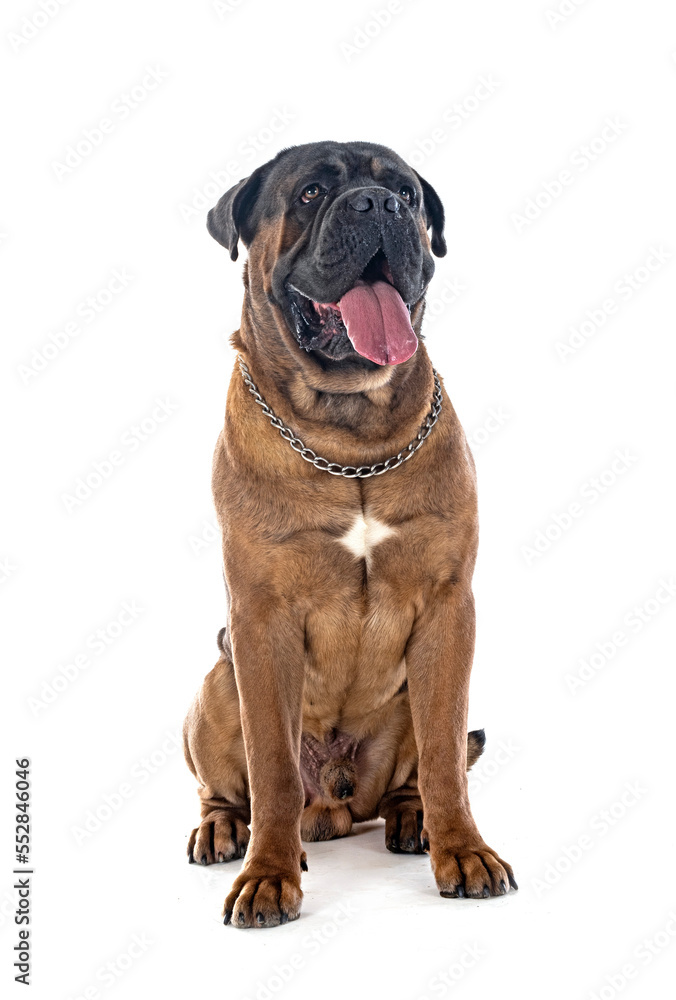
(323, 822)
(403, 814)
(402, 807)
(214, 751)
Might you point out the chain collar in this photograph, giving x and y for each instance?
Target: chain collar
(348, 471)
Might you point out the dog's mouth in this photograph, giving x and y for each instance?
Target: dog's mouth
(371, 318)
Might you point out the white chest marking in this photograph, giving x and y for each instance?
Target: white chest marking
(366, 532)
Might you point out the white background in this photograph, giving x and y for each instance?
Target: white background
(555, 760)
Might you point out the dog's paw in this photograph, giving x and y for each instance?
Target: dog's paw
(320, 822)
(221, 836)
(404, 830)
(472, 870)
(263, 900)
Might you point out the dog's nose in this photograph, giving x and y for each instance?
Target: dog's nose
(360, 202)
(367, 200)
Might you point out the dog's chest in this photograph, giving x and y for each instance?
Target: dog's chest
(364, 535)
(360, 585)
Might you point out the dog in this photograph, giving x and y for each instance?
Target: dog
(346, 495)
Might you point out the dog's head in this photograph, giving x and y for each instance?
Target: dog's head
(339, 252)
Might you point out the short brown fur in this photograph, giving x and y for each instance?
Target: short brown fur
(368, 659)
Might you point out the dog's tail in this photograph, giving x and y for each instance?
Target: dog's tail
(476, 741)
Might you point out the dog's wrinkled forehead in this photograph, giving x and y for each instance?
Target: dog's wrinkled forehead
(268, 191)
(339, 165)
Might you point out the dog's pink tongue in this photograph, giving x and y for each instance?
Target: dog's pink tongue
(378, 323)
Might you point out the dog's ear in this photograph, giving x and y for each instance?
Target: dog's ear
(434, 211)
(232, 216)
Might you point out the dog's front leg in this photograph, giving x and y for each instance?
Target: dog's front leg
(267, 647)
(438, 662)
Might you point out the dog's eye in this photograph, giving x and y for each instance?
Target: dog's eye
(407, 194)
(311, 192)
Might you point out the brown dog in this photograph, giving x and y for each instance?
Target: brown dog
(341, 691)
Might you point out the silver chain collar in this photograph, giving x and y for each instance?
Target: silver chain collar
(348, 471)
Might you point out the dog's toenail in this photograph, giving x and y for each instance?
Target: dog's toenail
(226, 916)
(284, 918)
(204, 859)
(240, 918)
(260, 919)
(486, 891)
